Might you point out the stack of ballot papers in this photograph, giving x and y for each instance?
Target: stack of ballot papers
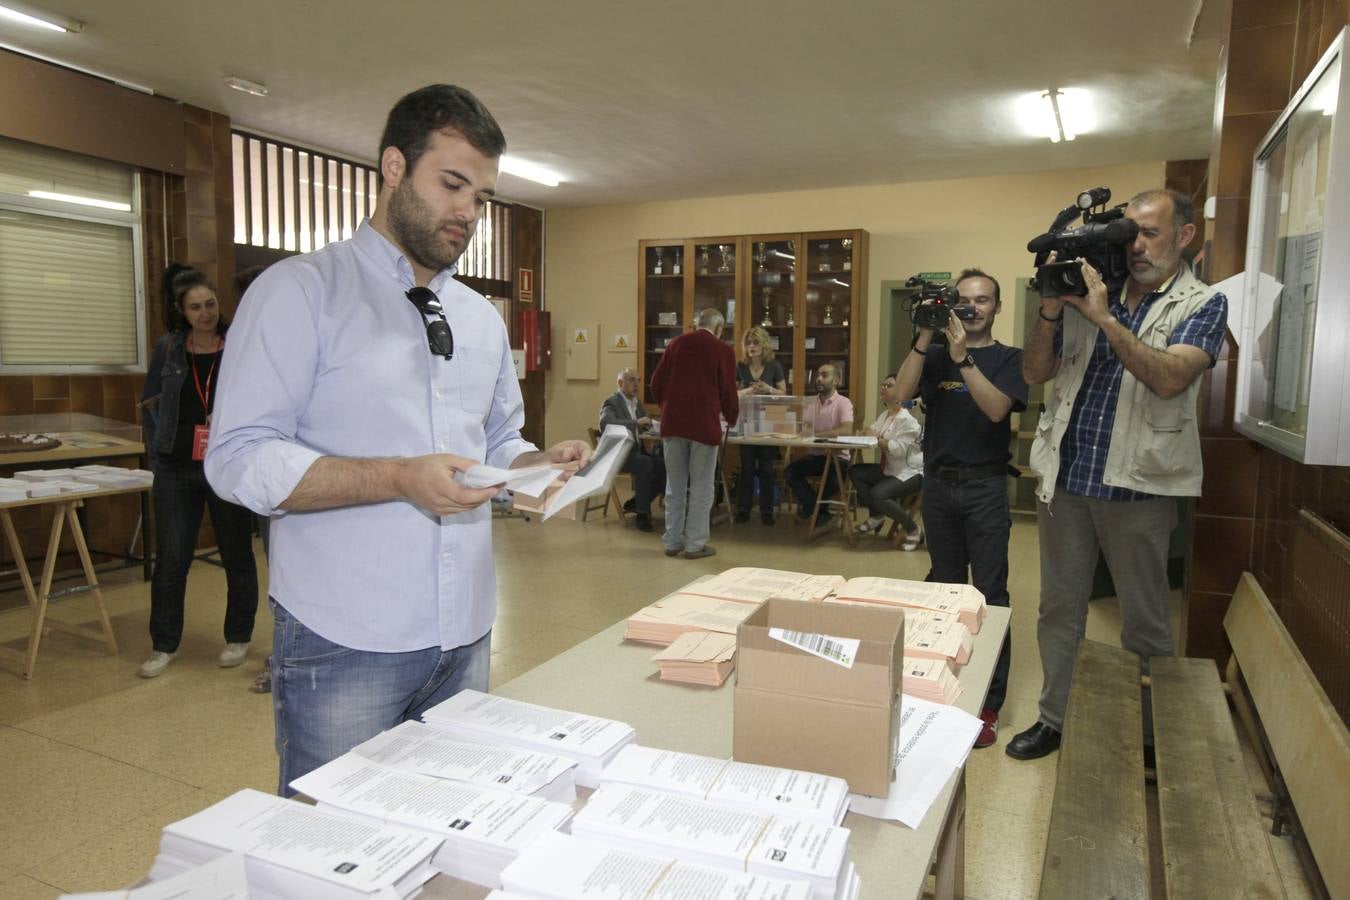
(558, 867)
(752, 585)
(224, 878)
(294, 850)
(45, 475)
(483, 829)
(415, 747)
(681, 612)
(590, 741)
(960, 600)
(935, 635)
(698, 657)
(932, 680)
(697, 831)
(13, 489)
(820, 799)
(113, 477)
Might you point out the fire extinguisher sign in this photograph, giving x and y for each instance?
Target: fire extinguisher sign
(525, 285)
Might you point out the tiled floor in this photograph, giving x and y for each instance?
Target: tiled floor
(96, 761)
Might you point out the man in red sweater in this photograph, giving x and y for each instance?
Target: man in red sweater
(695, 381)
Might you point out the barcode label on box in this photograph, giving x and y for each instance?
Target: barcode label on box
(838, 650)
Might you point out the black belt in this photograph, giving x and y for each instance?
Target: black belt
(958, 474)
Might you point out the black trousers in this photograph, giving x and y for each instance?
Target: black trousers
(796, 474)
(649, 479)
(881, 493)
(968, 524)
(181, 494)
(756, 461)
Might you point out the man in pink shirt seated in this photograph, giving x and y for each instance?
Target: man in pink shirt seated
(832, 414)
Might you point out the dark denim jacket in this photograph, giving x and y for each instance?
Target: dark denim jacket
(164, 380)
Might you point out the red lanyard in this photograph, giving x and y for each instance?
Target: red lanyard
(205, 395)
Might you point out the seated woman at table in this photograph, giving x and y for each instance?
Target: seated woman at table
(882, 485)
(178, 398)
(757, 373)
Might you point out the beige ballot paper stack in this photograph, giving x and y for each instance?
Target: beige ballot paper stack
(815, 690)
(931, 680)
(698, 657)
(483, 829)
(294, 850)
(416, 747)
(935, 635)
(960, 600)
(697, 831)
(681, 612)
(751, 585)
(812, 797)
(588, 740)
(558, 867)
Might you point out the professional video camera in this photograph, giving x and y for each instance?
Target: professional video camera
(1103, 240)
(933, 303)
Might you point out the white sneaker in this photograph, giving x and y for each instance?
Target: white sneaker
(872, 524)
(158, 662)
(233, 655)
(912, 541)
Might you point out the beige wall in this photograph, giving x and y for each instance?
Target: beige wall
(590, 263)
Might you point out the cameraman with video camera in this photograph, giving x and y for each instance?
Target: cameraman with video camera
(970, 384)
(1117, 442)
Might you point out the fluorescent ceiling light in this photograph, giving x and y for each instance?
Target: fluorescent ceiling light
(1059, 114)
(514, 165)
(244, 86)
(49, 22)
(82, 201)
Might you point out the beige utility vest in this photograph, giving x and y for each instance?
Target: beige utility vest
(1155, 443)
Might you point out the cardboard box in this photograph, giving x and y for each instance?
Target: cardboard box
(796, 710)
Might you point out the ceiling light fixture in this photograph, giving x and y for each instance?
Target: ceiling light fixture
(41, 20)
(1061, 114)
(514, 165)
(82, 201)
(244, 86)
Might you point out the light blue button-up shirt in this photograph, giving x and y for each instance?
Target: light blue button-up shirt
(327, 357)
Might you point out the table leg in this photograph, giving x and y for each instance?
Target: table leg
(820, 499)
(20, 564)
(846, 492)
(44, 591)
(91, 577)
(949, 868)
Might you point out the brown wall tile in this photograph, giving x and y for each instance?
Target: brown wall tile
(53, 405)
(1260, 70)
(1241, 135)
(1231, 467)
(86, 394)
(48, 387)
(16, 395)
(1222, 551)
(1228, 248)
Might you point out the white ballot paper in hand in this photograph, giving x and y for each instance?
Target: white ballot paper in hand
(597, 475)
(934, 742)
(530, 480)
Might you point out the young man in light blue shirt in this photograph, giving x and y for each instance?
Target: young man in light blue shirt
(362, 378)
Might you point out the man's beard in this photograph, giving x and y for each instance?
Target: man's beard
(1158, 269)
(414, 224)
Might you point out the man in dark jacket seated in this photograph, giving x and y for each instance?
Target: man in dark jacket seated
(624, 407)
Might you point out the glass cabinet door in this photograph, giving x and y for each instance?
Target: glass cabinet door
(714, 272)
(829, 308)
(663, 290)
(773, 280)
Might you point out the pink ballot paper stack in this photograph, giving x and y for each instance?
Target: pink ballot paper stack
(930, 679)
(682, 612)
(960, 600)
(698, 657)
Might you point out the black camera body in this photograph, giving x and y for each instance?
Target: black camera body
(934, 303)
(1103, 239)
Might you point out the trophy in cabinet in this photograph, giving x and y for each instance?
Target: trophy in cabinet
(675, 266)
(727, 258)
(824, 247)
(759, 257)
(791, 322)
(657, 267)
(767, 321)
(847, 244)
(703, 260)
(829, 315)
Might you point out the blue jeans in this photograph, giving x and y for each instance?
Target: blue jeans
(181, 494)
(327, 698)
(690, 469)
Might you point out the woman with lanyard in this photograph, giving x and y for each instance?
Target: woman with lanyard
(757, 373)
(178, 398)
(882, 485)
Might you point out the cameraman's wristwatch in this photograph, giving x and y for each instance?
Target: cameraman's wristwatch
(966, 363)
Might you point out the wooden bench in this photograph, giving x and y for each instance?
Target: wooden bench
(1208, 837)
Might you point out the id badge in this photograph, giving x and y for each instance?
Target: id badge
(200, 435)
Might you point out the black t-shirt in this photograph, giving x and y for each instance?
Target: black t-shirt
(190, 411)
(772, 374)
(956, 432)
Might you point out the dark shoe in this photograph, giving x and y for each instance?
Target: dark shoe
(644, 522)
(742, 516)
(989, 731)
(675, 551)
(700, 553)
(1037, 741)
(766, 518)
(631, 505)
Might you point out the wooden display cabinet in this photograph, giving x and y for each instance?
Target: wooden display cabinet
(806, 289)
